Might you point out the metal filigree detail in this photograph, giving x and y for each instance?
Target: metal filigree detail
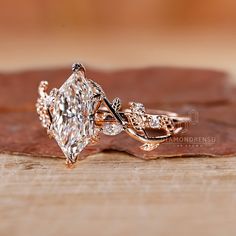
(166, 123)
(137, 116)
(42, 105)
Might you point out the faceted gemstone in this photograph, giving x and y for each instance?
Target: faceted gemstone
(72, 113)
(154, 122)
(112, 129)
(138, 108)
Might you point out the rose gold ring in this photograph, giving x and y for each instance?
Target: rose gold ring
(77, 112)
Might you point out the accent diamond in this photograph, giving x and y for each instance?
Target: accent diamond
(137, 108)
(112, 129)
(154, 122)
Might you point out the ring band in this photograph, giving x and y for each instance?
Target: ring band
(77, 112)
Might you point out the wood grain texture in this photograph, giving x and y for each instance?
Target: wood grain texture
(115, 194)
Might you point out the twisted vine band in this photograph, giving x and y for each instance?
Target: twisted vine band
(77, 112)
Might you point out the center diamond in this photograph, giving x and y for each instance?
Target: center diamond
(72, 112)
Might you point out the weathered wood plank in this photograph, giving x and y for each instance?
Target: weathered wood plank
(116, 194)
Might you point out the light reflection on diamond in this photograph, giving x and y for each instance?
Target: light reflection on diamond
(154, 122)
(72, 115)
(112, 129)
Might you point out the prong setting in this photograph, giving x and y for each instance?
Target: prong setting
(77, 67)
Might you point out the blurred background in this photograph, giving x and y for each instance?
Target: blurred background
(116, 34)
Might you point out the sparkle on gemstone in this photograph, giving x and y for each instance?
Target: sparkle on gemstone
(138, 108)
(112, 129)
(72, 113)
(154, 122)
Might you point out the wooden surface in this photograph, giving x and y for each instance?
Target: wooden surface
(115, 194)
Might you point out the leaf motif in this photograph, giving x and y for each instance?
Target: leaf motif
(116, 104)
(137, 121)
(166, 123)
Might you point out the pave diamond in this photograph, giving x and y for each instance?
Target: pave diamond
(72, 113)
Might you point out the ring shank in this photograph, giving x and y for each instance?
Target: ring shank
(105, 116)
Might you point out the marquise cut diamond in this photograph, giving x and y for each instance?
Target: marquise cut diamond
(72, 112)
(112, 129)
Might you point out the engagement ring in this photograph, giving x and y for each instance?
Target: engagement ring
(79, 110)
